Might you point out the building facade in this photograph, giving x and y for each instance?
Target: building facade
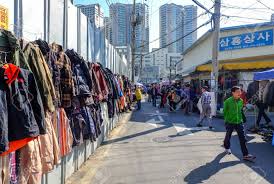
(175, 22)
(171, 26)
(108, 31)
(94, 12)
(190, 24)
(242, 50)
(165, 62)
(121, 28)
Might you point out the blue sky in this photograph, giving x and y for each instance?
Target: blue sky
(256, 11)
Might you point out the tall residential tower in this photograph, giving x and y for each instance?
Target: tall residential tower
(120, 18)
(175, 22)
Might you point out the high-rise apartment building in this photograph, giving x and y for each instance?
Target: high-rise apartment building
(175, 22)
(120, 17)
(171, 20)
(94, 12)
(190, 24)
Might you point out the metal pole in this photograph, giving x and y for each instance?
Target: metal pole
(169, 70)
(215, 48)
(133, 23)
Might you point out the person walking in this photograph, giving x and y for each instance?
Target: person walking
(206, 108)
(154, 95)
(149, 93)
(138, 94)
(234, 121)
(171, 99)
(187, 99)
(244, 98)
(163, 97)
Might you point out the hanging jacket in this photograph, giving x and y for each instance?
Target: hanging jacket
(42, 74)
(113, 85)
(51, 57)
(22, 109)
(66, 87)
(102, 82)
(269, 97)
(252, 89)
(12, 45)
(81, 75)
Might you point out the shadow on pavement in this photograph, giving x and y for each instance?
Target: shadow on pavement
(136, 135)
(209, 169)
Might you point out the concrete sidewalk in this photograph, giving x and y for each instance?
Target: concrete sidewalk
(146, 150)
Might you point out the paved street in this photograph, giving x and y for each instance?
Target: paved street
(158, 147)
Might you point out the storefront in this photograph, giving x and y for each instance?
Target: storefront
(243, 50)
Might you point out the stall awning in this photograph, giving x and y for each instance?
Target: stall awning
(239, 65)
(265, 75)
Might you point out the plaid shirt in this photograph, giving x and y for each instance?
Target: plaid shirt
(206, 98)
(66, 86)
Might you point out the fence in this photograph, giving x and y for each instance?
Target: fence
(61, 22)
(72, 162)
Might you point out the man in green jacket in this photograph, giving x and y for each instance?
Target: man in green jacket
(234, 121)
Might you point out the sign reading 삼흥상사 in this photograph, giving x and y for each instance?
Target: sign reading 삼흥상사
(4, 18)
(247, 40)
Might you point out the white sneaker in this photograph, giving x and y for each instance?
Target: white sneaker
(228, 151)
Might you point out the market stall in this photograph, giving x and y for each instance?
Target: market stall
(263, 95)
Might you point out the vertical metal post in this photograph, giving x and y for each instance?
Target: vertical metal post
(46, 18)
(215, 47)
(133, 22)
(65, 25)
(79, 30)
(18, 18)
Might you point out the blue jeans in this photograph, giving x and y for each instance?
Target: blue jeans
(138, 104)
(154, 98)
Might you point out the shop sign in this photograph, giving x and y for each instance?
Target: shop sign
(247, 40)
(4, 17)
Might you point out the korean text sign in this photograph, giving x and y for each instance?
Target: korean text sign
(247, 40)
(4, 19)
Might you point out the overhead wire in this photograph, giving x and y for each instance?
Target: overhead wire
(180, 26)
(202, 6)
(204, 24)
(259, 1)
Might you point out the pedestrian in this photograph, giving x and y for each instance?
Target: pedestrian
(149, 93)
(187, 99)
(262, 106)
(171, 99)
(163, 97)
(138, 94)
(154, 95)
(244, 98)
(234, 121)
(206, 108)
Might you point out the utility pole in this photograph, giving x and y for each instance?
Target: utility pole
(133, 23)
(215, 48)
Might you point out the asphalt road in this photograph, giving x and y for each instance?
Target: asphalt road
(158, 147)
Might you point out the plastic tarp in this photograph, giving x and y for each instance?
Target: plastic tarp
(265, 75)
